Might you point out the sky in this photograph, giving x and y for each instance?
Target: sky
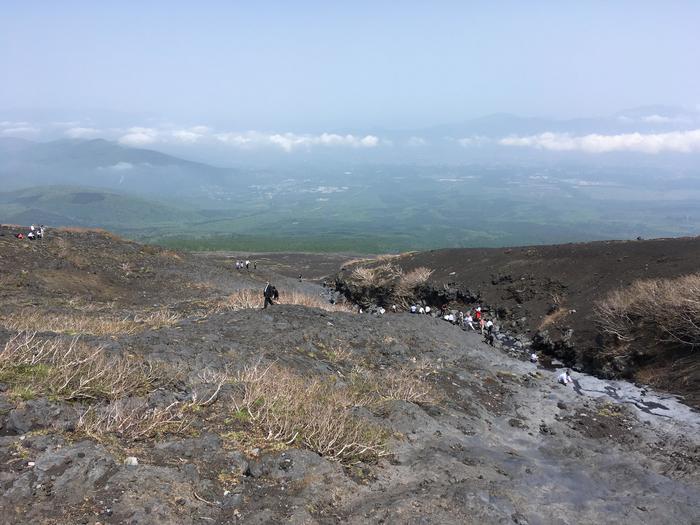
(314, 66)
(213, 79)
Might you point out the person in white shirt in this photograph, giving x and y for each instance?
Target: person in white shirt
(468, 320)
(565, 378)
(534, 358)
(413, 309)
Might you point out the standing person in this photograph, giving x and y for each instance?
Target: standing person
(489, 326)
(477, 313)
(268, 293)
(255, 265)
(482, 325)
(247, 264)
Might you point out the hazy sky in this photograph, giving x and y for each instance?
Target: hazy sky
(303, 65)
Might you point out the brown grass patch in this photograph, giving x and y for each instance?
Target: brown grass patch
(77, 323)
(72, 370)
(250, 298)
(315, 413)
(664, 311)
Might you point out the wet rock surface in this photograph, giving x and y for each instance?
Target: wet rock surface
(500, 441)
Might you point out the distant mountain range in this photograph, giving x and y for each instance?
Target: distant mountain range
(103, 164)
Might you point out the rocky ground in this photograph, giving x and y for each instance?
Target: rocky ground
(472, 435)
(546, 294)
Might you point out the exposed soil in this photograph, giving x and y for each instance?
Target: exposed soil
(499, 441)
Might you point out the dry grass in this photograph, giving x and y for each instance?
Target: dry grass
(72, 370)
(314, 413)
(312, 301)
(249, 298)
(399, 384)
(133, 420)
(664, 311)
(77, 323)
(378, 276)
(405, 289)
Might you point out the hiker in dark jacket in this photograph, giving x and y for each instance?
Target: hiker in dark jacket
(269, 293)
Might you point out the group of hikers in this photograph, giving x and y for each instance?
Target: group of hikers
(35, 232)
(240, 265)
(465, 320)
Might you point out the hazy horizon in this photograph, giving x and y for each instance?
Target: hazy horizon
(315, 66)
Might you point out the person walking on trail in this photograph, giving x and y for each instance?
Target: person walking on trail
(477, 313)
(489, 326)
(565, 378)
(247, 264)
(269, 293)
(482, 324)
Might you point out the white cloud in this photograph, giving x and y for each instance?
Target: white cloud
(193, 134)
(138, 136)
(82, 133)
(471, 142)
(120, 166)
(291, 141)
(16, 124)
(660, 119)
(651, 143)
(19, 131)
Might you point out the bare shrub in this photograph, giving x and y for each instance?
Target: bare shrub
(382, 275)
(72, 370)
(402, 384)
(405, 288)
(665, 310)
(315, 413)
(158, 318)
(241, 300)
(133, 420)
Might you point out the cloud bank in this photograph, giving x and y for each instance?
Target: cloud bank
(650, 143)
(291, 141)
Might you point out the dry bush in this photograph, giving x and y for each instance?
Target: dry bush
(312, 301)
(76, 323)
(133, 420)
(72, 370)
(241, 300)
(364, 276)
(405, 288)
(402, 384)
(158, 318)
(663, 310)
(312, 412)
(377, 276)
